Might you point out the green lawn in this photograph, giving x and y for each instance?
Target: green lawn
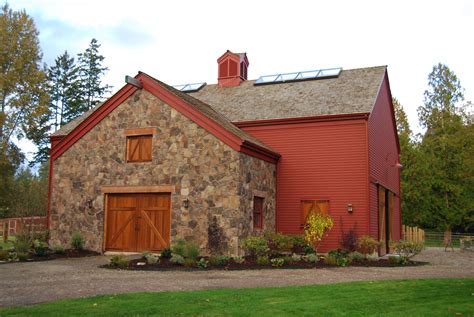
(8, 244)
(437, 297)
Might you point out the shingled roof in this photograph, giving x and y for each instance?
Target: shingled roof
(354, 91)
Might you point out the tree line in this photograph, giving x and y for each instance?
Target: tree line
(437, 179)
(36, 100)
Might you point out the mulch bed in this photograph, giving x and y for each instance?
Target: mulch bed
(68, 253)
(250, 264)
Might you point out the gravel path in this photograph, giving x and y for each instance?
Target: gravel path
(30, 283)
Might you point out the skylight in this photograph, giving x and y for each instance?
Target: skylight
(190, 87)
(299, 76)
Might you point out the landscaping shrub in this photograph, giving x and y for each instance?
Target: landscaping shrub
(256, 246)
(4, 255)
(277, 262)
(357, 256)
(288, 259)
(202, 263)
(219, 260)
(406, 249)
(338, 257)
(311, 258)
(279, 242)
(394, 259)
(119, 261)
(151, 258)
(307, 249)
(367, 245)
(299, 244)
(166, 253)
(12, 256)
(263, 260)
(189, 262)
(238, 259)
(349, 241)
(22, 256)
(296, 257)
(22, 245)
(177, 259)
(58, 249)
(317, 225)
(40, 248)
(185, 249)
(77, 241)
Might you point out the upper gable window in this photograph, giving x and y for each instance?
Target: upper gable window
(139, 144)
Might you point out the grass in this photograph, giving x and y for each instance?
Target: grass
(435, 297)
(8, 244)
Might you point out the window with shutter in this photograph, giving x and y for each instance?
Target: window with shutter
(139, 148)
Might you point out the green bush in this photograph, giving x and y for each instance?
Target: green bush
(406, 249)
(22, 256)
(220, 260)
(288, 259)
(338, 257)
(277, 262)
(296, 257)
(202, 263)
(185, 249)
(22, 245)
(166, 253)
(367, 245)
(119, 261)
(189, 262)
(4, 255)
(298, 244)
(394, 259)
(177, 259)
(238, 259)
(77, 241)
(58, 249)
(307, 249)
(40, 248)
(279, 242)
(256, 246)
(152, 258)
(263, 260)
(311, 258)
(357, 256)
(12, 256)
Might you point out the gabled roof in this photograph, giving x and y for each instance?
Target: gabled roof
(354, 91)
(194, 109)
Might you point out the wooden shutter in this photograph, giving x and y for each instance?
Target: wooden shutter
(382, 213)
(139, 148)
(321, 206)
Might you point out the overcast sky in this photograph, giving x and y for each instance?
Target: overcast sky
(179, 41)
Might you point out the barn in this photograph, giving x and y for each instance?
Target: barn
(217, 163)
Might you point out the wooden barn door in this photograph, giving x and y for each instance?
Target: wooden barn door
(386, 203)
(137, 222)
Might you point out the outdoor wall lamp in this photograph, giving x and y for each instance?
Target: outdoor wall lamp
(349, 208)
(186, 203)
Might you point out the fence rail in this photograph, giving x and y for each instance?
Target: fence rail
(11, 226)
(433, 238)
(413, 234)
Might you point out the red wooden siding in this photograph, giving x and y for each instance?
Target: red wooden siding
(320, 161)
(383, 155)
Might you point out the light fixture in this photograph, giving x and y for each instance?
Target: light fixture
(186, 203)
(349, 208)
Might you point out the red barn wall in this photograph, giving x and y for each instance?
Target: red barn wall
(383, 154)
(320, 160)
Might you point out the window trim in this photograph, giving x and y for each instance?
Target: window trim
(139, 138)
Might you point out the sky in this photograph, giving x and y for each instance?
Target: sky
(179, 42)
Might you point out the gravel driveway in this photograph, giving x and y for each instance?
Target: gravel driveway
(30, 283)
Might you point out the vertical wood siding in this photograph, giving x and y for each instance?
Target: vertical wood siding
(320, 161)
(383, 154)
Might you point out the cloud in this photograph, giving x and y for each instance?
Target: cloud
(128, 33)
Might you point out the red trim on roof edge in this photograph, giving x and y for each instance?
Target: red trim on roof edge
(298, 120)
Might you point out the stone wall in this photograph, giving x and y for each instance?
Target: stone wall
(212, 176)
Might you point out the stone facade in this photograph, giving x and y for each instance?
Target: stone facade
(218, 181)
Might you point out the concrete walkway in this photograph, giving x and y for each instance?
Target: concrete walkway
(36, 282)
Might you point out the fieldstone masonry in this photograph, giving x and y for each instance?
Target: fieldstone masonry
(218, 182)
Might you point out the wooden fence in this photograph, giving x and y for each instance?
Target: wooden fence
(413, 234)
(11, 226)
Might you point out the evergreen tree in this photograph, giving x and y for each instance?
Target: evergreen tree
(446, 149)
(90, 73)
(65, 89)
